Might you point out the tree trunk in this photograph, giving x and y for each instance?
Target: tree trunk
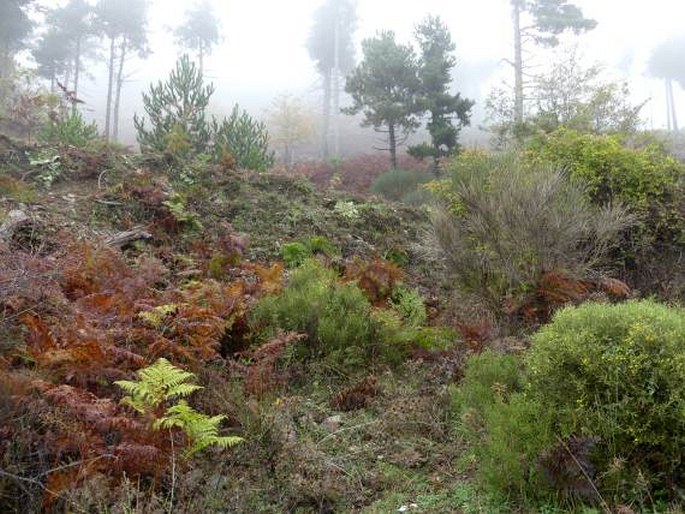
(110, 86)
(201, 55)
(288, 157)
(325, 129)
(120, 83)
(673, 120)
(669, 127)
(392, 146)
(518, 65)
(77, 68)
(336, 84)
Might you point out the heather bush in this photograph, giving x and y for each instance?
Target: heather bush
(334, 316)
(506, 429)
(341, 325)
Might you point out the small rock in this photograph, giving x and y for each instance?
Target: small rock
(332, 423)
(403, 508)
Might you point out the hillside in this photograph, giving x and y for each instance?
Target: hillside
(182, 335)
(110, 241)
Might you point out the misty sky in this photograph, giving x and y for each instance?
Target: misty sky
(264, 54)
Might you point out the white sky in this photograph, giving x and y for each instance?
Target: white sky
(264, 52)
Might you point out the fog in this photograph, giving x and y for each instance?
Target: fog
(263, 51)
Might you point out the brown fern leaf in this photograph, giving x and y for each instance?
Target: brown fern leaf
(137, 459)
(270, 279)
(123, 356)
(84, 405)
(377, 278)
(58, 482)
(164, 347)
(553, 291)
(261, 375)
(38, 338)
(87, 270)
(474, 334)
(356, 396)
(556, 289)
(613, 287)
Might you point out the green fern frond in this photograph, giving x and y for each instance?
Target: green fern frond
(156, 315)
(202, 430)
(163, 381)
(157, 383)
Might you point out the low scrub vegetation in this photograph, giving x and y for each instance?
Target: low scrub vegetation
(593, 413)
(177, 335)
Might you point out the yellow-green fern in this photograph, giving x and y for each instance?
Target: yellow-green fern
(163, 382)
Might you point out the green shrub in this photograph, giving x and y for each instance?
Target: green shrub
(504, 223)
(294, 254)
(604, 384)
(436, 338)
(610, 171)
(342, 327)
(322, 245)
(418, 198)
(645, 179)
(616, 372)
(396, 184)
(335, 317)
(73, 131)
(409, 305)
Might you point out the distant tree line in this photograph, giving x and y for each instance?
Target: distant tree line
(71, 37)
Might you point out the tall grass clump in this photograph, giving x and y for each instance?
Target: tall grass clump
(503, 224)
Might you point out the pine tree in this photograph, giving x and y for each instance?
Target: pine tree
(179, 105)
(447, 112)
(124, 23)
(331, 47)
(199, 31)
(547, 19)
(384, 87)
